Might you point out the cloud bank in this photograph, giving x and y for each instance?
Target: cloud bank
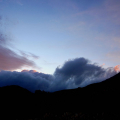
(74, 73)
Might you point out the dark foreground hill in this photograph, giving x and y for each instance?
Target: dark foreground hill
(16, 101)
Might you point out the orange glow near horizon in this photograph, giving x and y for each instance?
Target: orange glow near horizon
(117, 68)
(33, 71)
(103, 64)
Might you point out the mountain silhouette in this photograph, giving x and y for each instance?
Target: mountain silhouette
(102, 96)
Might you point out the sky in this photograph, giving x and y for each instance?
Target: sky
(42, 37)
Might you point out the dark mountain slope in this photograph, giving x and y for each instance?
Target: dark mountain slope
(14, 90)
(102, 96)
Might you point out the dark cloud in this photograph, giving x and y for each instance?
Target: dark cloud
(80, 72)
(79, 69)
(74, 73)
(30, 81)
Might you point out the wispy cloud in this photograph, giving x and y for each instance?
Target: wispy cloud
(113, 56)
(9, 60)
(19, 2)
(107, 12)
(28, 54)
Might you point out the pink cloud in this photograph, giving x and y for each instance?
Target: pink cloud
(9, 60)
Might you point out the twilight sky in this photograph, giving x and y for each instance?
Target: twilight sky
(43, 35)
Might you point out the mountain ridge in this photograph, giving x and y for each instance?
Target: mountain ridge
(100, 96)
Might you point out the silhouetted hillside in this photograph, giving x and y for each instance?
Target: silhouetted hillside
(17, 101)
(14, 90)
